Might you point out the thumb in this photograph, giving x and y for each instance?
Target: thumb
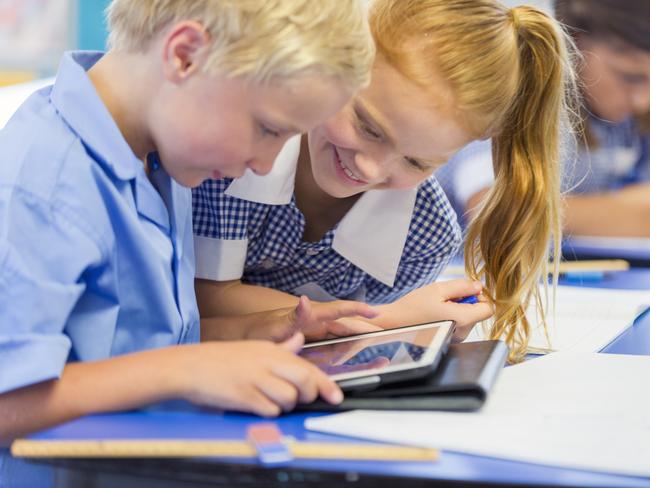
(294, 343)
(460, 288)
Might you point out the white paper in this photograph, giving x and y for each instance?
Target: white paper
(13, 96)
(586, 411)
(586, 319)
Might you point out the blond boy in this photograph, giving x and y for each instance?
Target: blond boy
(97, 309)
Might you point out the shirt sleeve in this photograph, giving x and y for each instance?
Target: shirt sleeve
(433, 240)
(220, 231)
(45, 258)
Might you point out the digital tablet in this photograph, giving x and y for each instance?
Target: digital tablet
(366, 360)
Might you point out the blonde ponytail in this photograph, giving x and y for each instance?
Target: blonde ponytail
(508, 242)
(511, 76)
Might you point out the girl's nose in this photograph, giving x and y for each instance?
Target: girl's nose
(371, 169)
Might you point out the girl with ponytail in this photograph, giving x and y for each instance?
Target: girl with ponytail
(364, 218)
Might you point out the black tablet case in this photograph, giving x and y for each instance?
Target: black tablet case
(461, 382)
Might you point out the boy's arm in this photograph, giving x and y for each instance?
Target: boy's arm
(621, 213)
(252, 376)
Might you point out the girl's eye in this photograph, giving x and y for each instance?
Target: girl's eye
(415, 163)
(369, 131)
(267, 131)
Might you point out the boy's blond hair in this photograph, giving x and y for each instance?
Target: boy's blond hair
(259, 39)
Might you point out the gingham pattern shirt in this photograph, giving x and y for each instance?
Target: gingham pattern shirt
(277, 257)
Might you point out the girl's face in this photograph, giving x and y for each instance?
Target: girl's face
(390, 136)
(616, 78)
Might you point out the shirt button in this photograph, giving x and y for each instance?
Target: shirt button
(268, 263)
(312, 251)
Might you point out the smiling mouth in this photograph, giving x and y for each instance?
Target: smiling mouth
(348, 172)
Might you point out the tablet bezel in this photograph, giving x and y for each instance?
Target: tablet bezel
(429, 359)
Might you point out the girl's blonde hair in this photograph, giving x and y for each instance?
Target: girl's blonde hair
(261, 40)
(511, 78)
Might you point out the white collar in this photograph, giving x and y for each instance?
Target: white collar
(371, 235)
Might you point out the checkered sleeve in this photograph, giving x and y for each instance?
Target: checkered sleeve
(434, 237)
(220, 231)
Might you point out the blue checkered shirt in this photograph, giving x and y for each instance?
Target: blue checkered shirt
(277, 257)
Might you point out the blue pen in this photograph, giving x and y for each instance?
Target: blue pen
(470, 299)
(583, 276)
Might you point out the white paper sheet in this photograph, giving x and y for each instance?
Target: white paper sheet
(586, 319)
(11, 97)
(587, 411)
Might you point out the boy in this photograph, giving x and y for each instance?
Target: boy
(97, 307)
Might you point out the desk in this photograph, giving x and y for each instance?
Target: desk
(453, 469)
(636, 251)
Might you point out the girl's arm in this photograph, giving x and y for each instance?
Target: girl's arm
(315, 320)
(251, 376)
(621, 213)
(426, 304)
(224, 298)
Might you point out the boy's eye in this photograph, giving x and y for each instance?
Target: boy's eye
(631, 78)
(267, 131)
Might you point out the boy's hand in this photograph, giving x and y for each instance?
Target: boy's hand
(436, 302)
(316, 321)
(253, 376)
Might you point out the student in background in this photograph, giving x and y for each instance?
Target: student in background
(97, 304)
(352, 210)
(608, 180)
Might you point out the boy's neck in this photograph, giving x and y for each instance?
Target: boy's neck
(120, 81)
(322, 211)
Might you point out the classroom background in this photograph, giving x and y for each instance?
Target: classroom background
(34, 34)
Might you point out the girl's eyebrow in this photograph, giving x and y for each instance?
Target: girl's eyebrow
(363, 113)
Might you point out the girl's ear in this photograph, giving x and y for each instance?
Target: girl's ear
(183, 50)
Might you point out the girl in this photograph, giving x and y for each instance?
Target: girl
(352, 211)
(609, 179)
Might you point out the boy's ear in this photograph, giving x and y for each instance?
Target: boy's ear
(183, 52)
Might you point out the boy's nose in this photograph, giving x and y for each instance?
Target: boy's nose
(260, 166)
(641, 100)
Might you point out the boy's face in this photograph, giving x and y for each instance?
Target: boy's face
(212, 126)
(616, 79)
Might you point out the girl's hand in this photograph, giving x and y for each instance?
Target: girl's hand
(316, 321)
(252, 376)
(436, 302)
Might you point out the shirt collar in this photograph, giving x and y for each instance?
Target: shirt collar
(76, 99)
(371, 235)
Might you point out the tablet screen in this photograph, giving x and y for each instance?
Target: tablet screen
(379, 352)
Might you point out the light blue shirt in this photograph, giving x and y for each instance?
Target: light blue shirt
(96, 259)
(619, 157)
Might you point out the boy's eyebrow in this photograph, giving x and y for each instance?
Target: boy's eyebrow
(278, 124)
(364, 112)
